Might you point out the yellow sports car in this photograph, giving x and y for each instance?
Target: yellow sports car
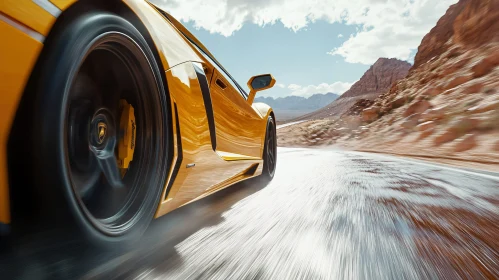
(113, 113)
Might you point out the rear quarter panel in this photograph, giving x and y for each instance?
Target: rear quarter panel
(265, 111)
(171, 46)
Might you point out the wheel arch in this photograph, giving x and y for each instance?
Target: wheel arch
(23, 199)
(265, 111)
(272, 115)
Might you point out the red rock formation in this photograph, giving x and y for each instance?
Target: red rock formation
(477, 24)
(360, 105)
(456, 70)
(435, 42)
(463, 46)
(378, 79)
(467, 24)
(448, 105)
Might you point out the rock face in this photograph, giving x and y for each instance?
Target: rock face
(378, 79)
(370, 114)
(417, 108)
(450, 95)
(457, 59)
(469, 23)
(359, 106)
(447, 105)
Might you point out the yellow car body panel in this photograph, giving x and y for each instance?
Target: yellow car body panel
(232, 110)
(238, 125)
(62, 4)
(28, 13)
(207, 156)
(209, 170)
(18, 55)
(170, 44)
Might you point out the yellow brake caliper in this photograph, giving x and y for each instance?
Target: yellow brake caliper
(126, 144)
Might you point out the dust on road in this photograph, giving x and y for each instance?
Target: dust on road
(326, 215)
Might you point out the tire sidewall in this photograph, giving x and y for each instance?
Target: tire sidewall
(62, 62)
(266, 174)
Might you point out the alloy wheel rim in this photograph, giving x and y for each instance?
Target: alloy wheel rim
(113, 70)
(271, 150)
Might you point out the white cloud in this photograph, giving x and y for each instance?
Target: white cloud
(340, 35)
(281, 85)
(385, 28)
(306, 91)
(395, 34)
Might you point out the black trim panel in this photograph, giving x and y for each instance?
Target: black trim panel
(252, 169)
(205, 90)
(180, 156)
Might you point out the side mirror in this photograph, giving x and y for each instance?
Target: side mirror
(259, 83)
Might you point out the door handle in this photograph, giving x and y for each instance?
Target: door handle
(221, 84)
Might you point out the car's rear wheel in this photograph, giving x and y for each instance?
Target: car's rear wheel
(100, 129)
(270, 151)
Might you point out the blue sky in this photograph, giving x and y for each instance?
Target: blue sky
(298, 58)
(310, 47)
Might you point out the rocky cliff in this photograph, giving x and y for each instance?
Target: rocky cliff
(447, 106)
(469, 24)
(380, 76)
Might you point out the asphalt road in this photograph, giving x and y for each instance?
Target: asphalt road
(326, 215)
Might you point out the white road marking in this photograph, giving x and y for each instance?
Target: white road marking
(289, 124)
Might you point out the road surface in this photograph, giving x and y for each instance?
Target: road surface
(326, 215)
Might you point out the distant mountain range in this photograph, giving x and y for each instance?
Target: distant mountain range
(293, 106)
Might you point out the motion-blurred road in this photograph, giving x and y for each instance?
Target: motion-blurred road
(326, 215)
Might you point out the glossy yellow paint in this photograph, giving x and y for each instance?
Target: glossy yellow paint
(170, 44)
(230, 157)
(184, 30)
(18, 54)
(62, 4)
(210, 170)
(229, 182)
(239, 126)
(29, 14)
(264, 111)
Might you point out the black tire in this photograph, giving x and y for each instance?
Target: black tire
(93, 60)
(269, 151)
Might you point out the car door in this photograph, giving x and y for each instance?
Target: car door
(238, 127)
(237, 124)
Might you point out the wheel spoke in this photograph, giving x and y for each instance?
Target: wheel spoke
(109, 167)
(271, 149)
(102, 144)
(112, 192)
(271, 158)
